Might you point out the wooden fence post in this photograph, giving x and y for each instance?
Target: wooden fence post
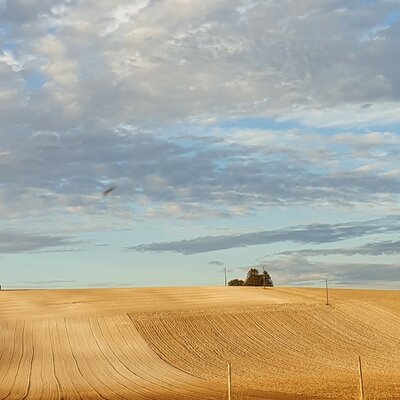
(229, 382)
(362, 394)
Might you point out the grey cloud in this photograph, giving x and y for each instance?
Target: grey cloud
(66, 283)
(298, 270)
(42, 284)
(23, 11)
(183, 176)
(61, 145)
(17, 242)
(170, 61)
(371, 249)
(110, 284)
(368, 272)
(217, 263)
(50, 282)
(313, 234)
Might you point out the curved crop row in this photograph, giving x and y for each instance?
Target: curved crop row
(283, 343)
(88, 358)
(302, 349)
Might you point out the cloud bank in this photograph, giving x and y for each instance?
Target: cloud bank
(306, 234)
(137, 93)
(218, 111)
(18, 242)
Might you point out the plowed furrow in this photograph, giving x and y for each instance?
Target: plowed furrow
(174, 343)
(299, 349)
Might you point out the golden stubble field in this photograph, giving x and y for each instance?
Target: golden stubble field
(174, 343)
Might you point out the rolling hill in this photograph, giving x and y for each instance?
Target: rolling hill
(174, 343)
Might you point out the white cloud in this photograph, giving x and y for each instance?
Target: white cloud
(8, 58)
(349, 115)
(123, 14)
(170, 60)
(135, 94)
(106, 106)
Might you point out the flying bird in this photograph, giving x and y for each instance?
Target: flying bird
(109, 190)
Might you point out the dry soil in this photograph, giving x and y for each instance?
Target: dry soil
(174, 343)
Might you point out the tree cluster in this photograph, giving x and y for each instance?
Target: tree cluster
(254, 278)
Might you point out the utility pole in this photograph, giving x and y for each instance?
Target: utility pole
(327, 296)
(264, 276)
(362, 395)
(229, 381)
(225, 275)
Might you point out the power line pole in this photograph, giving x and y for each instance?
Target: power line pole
(264, 276)
(225, 275)
(229, 381)
(362, 395)
(327, 296)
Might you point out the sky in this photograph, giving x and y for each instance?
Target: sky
(238, 134)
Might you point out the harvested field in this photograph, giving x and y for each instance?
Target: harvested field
(174, 343)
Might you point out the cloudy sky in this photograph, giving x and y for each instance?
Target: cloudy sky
(238, 133)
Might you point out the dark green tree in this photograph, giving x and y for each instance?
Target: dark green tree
(268, 280)
(253, 277)
(236, 282)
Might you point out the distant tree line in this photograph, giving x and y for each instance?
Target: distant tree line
(254, 278)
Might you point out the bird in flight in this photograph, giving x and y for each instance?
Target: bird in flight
(109, 190)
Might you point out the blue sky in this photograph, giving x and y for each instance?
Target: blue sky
(238, 133)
